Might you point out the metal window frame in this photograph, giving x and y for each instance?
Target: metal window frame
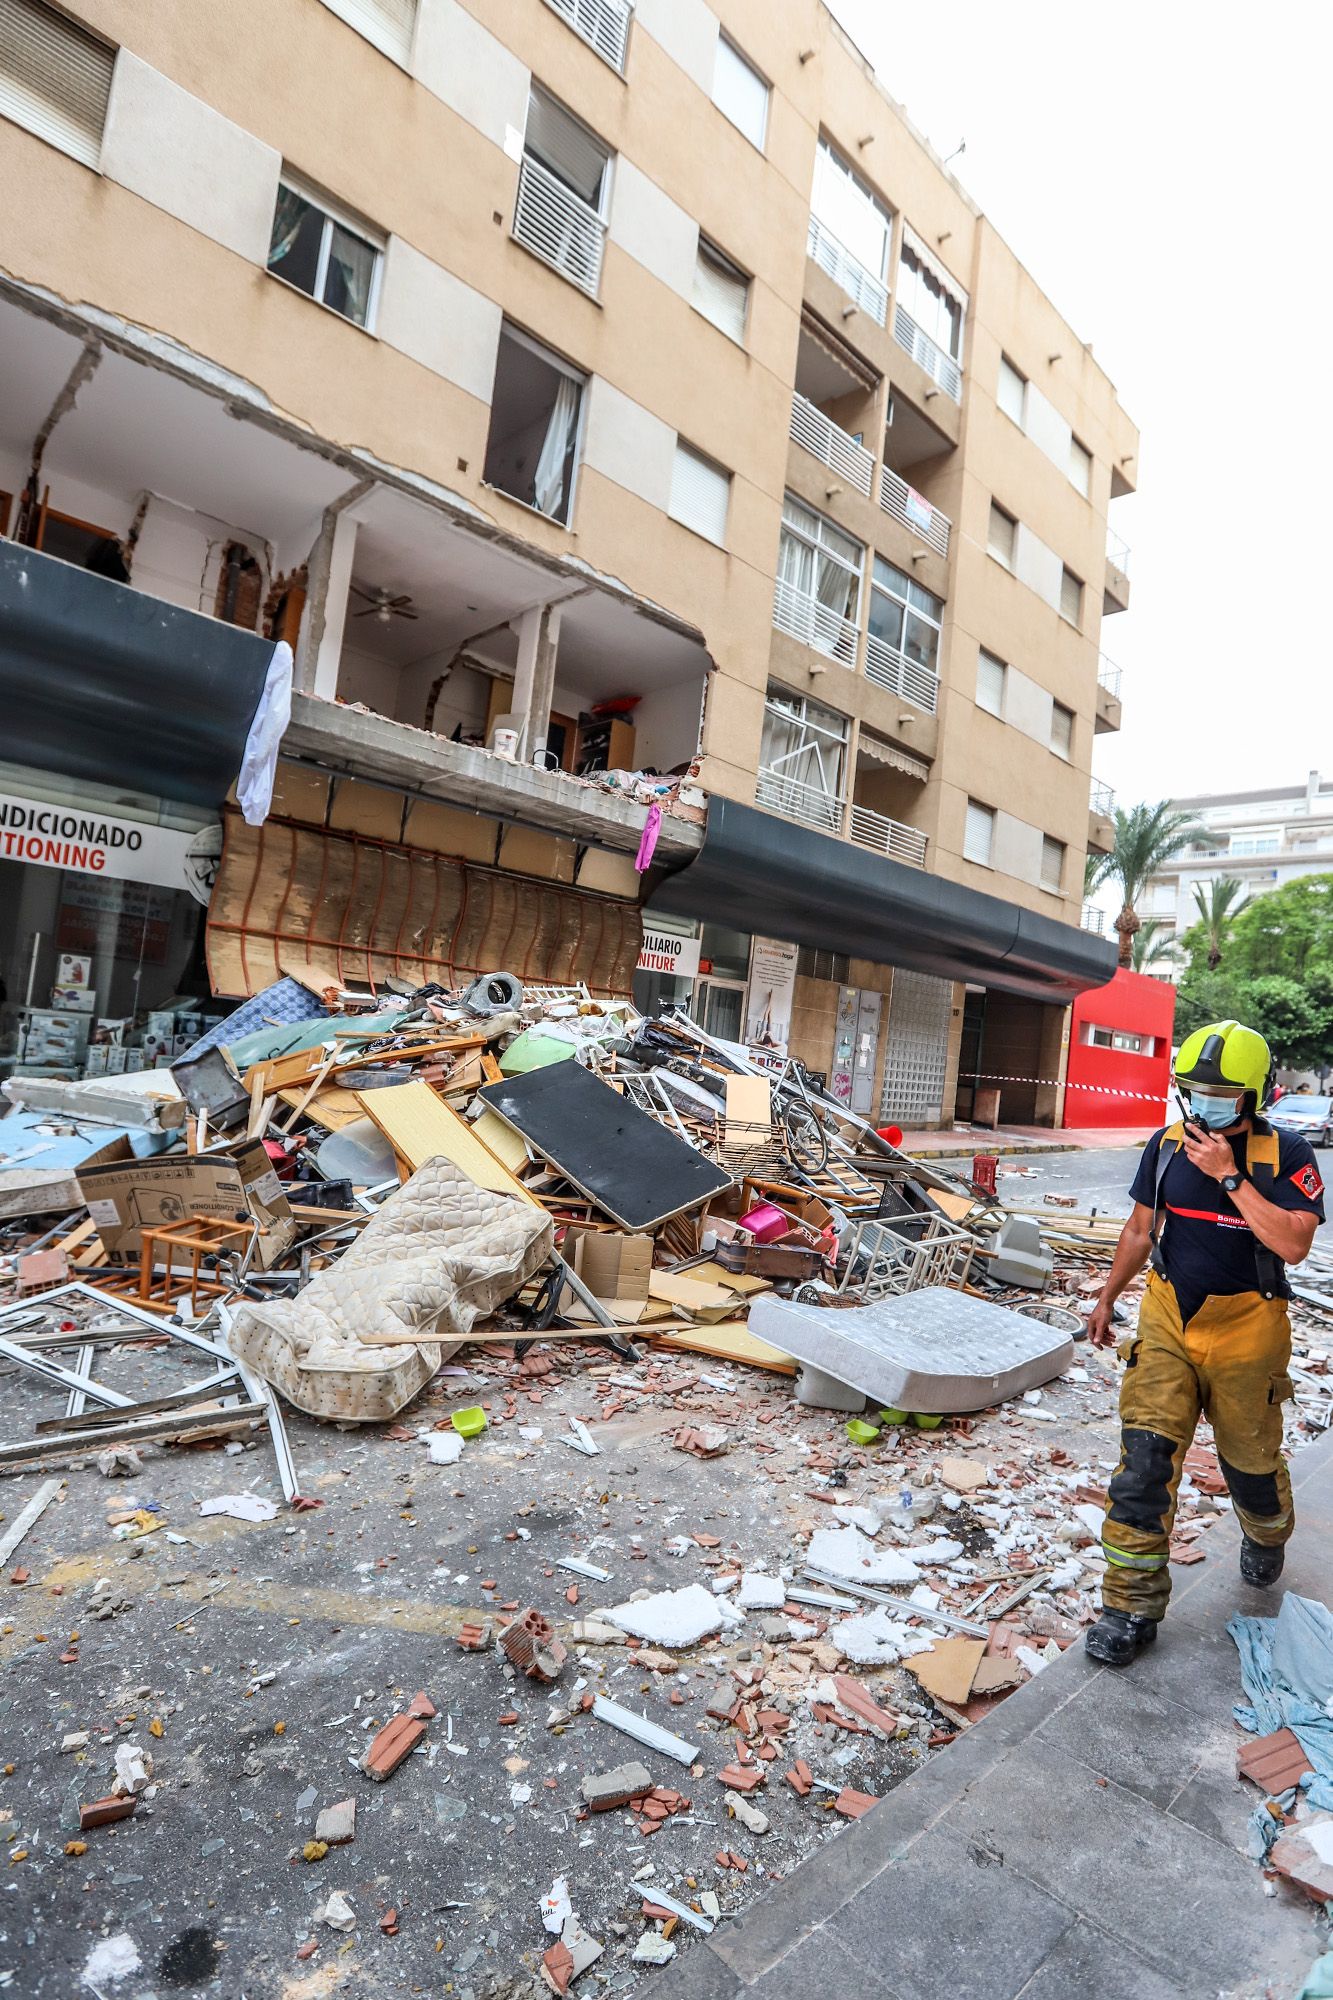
(337, 217)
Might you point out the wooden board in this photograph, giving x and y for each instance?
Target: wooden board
(420, 1126)
(730, 1340)
(674, 1288)
(956, 1206)
(735, 1281)
(749, 1110)
(333, 1108)
(509, 1147)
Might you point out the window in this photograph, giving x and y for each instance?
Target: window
(1071, 597)
(386, 23)
(700, 493)
(979, 833)
(844, 206)
(1062, 729)
(1013, 392)
(931, 305)
(532, 449)
(802, 760)
(563, 185)
(721, 290)
(1001, 535)
(819, 582)
(54, 78)
(740, 93)
(324, 255)
(991, 676)
(603, 24)
(1052, 862)
(832, 965)
(1119, 1038)
(1255, 843)
(1080, 467)
(905, 617)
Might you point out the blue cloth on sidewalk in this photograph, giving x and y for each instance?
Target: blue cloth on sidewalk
(1286, 1665)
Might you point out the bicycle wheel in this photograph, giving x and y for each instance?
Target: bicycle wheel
(807, 1141)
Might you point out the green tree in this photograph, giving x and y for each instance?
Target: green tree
(1219, 903)
(1295, 1017)
(1289, 932)
(1150, 949)
(1146, 838)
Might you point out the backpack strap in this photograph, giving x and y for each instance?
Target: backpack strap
(1168, 1145)
(1261, 1164)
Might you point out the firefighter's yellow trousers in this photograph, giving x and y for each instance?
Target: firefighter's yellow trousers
(1230, 1365)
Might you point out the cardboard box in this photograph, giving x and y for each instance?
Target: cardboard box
(74, 999)
(237, 1180)
(611, 1265)
(73, 969)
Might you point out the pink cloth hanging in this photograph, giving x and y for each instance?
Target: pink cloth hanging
(648, 844)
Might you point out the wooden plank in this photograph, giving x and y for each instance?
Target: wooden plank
(420, 1126)
(956, 1206)
(35, 1508)
(730, 1340)
(686, 1293)
(509, 1147)
(282, 1072)
(333, 1108)
(303, 1101)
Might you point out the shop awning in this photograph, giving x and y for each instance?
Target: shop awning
(761, 874)
(102, 682)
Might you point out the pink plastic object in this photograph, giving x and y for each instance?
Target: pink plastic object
(764, 1222)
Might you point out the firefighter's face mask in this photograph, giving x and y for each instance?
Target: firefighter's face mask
(1213, 1111)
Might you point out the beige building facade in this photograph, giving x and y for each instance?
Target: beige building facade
(617, 388)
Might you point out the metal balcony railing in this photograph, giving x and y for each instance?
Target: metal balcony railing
(833, 447)
(870, 292)
(888, 836)
(1117, 552)
(1094, 919)
(905, 504)
(941, 367)
(603, 24)
(781, 794)
(888, 668)
(1108, 676)
(1101, 799)
(552, 222)
(814, 624)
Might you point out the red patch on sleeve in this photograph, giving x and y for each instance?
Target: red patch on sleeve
(1307, 1180)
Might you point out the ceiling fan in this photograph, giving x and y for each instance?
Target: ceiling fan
(382, 606)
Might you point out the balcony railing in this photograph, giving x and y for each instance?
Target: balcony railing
(814, 624)
(870, 292)
(941, 367)
(603, 24)
(1108, 676)
(807, 803)
(1101, 799)
(833, 447)
(1117, 553)
(1094, 919)
(888, 836)
(888, 668)
(552, 222)
(905, 504)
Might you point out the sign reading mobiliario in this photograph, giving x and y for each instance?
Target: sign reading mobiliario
(89, 841)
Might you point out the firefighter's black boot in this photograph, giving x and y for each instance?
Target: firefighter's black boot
(1118, 1637)
(1260, 1565)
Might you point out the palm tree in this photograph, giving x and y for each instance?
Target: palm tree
(1150, 947)
(1146, 838)
(1218, 910)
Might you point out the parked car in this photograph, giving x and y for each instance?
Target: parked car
(1312, 1117)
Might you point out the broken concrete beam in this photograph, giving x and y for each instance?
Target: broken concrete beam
(336, 1824)
(530, 1643)
(396, 1741)
(101, 1812)
(604, 1790)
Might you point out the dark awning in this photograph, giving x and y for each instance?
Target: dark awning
(102, 682)
(761, 874)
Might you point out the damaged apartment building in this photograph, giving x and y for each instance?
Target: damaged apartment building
(613, 407)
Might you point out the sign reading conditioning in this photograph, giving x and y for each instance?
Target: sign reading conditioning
(88, 841)
(663, 951)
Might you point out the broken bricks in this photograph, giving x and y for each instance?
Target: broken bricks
(394, 1743)
(531, 1645)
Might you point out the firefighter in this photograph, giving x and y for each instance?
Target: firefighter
(1222, 1203)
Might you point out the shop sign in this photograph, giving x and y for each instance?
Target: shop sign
(769, 997)
(87, 841)
(663, 951)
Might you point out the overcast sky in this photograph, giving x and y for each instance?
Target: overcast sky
(1162, 172)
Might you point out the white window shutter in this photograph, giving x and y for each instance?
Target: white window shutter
(990, 683)
(721, 292)
(54, 78)
(700, 492)
(386, 23)
(740, 93)
(979, 832)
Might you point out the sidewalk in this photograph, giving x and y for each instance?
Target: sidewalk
(1012, 1139)
(1085, 1840)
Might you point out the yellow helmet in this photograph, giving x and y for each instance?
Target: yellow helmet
(1224, 1056)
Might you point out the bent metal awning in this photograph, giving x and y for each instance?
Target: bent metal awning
(762, 874)
(102, 682)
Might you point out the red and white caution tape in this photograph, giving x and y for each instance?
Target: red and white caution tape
(1061, 1083)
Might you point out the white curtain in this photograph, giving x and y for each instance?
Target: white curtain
(548, 484)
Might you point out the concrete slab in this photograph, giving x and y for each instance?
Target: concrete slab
(937, 1351)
